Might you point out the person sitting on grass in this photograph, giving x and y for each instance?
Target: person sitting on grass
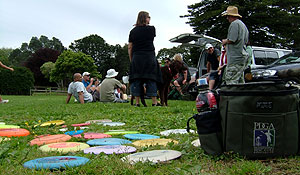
(77, 89)
(109, 88)
(11, 69)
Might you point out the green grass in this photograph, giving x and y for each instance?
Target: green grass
(28, 111)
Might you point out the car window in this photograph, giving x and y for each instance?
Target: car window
(271, 56)
(290, 59)
(260, 57)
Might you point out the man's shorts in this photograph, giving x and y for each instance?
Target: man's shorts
(137, 87)
(234, 74)
(214, 75)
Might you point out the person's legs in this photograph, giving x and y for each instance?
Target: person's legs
(151, 91)
(135, 89)
(234, 74)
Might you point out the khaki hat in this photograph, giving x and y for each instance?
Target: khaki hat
(232, 11)
(111, 73)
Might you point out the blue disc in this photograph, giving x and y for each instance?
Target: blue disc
(108, 141)
(71, 133)
(55, 162)
(140, 136)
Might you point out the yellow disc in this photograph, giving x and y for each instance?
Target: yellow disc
(9, 126)
(152, 142)
(64, 147)
(53, 122)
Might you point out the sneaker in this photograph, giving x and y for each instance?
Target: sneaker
(137, 105)
(4, 101)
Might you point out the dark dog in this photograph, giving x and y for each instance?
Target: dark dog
(168, 72)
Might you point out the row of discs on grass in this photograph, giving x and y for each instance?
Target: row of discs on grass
(110, 149)
(55, 162)
(64, 147)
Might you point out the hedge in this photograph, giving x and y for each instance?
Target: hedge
(16, 82)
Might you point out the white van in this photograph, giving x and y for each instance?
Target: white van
(260, 55)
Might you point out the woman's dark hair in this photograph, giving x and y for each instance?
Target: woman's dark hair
(141, 19)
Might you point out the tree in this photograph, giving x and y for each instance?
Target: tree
(37, 59)
(70, 62)
(190, 55)
(4, 54)
(98, 49)
(46, 69)
(271, 23)
(19, 56)
(121, 61)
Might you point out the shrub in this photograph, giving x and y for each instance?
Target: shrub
(17, 82)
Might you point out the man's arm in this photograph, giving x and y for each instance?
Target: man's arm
(208, 66)
(81, 99)
(90, 85)
(130, 51)
(68, 98)
(226, 41)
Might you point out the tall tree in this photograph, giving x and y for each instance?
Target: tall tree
(70, 62)
(121, 61)
(271, 23)
(97, 48)
(20, 55)
(37, 59)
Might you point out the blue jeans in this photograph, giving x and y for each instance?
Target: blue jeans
(137, 87)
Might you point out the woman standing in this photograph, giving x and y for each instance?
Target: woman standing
(144, 68)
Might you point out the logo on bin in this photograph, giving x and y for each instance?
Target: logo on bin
(263, 138)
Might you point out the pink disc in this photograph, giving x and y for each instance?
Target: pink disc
(93, 135)
(81, 124)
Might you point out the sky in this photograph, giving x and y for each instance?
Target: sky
(70, 20)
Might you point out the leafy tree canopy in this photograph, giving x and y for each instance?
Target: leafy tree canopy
(97, 48)
(4, 54)
(20, 55)
(46, 69)
(70, 62)
(37, 59)
(271, 23)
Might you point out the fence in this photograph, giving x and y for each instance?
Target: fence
(43, 90)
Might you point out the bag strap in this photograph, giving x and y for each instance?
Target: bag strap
(188, 122)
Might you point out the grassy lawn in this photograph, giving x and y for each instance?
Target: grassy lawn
(27, 111)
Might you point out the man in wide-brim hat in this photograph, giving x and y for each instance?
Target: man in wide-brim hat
(235, 43)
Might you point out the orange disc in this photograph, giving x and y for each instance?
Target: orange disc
(50, 139)
(14, 132)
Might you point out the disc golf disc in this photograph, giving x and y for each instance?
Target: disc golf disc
(71, 133)
(154, 156)
(53, 122)
(98, 121)
(93, 135)
(55, 162)
(9, 126)
(113, 123)
(14, 132)
(120, 132)
(50, 139)
(140, 136)
(80, 124)
(63, 129)
(110, 149)
(196, 143)
(175, 131)
(153, 142)
(64, 147)
(108, 141)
